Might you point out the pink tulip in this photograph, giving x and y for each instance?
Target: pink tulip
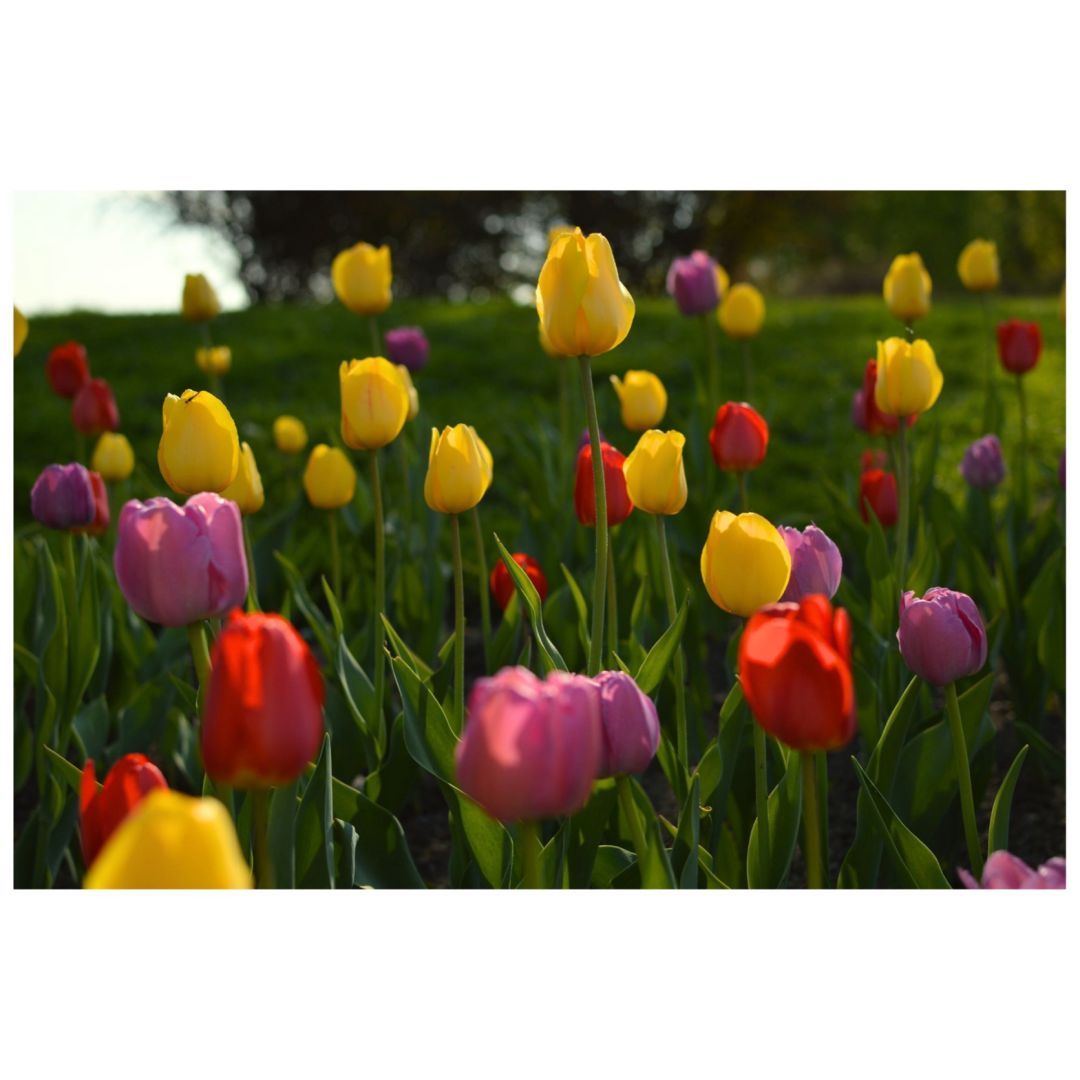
(178, 564)
(691, 280)
(631, 728)
(942, 637)
(1005, 871)
(816, 564)
(63, 497)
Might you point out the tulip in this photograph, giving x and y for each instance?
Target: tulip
(407, 345)
(290, 435)
(655, 477)
(723, 280)
(410, 389)
(742, 312)
(694, 283)
(642, 399)
(67, 369)
(502, 584)
(459, 470)
(1019, 345)
(745, 563)
(978, 266)
(941, 636)
(214, 359)
(629, 725)
(907, 288)
(619, 504)
(172, 841)
(113, 457)
(739, 437)
(816, 565)
(177, 565)
(63, 497)
(874, 459)
(1006, 871)
(199, 449)
(101, 812)
(247, 489)
(361, 276)
(866, 415)
(908, 377)
(329, 479)
(101, 506)
(199, 302)
(983, 465)
(374, 403)
(94, 408)
(22, 329)
(877, 492)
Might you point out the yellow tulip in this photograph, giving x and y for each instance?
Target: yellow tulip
(907, 288)
(642, 399)
(22, 328)
(723, 281)
(113, 457)
(214, 360)
(978, 266)
(172, 841)
(329, 479)
(655, 477)
(199, 448)
(546, 345)
(584, 308)
(742, 312)
(362, 277)
(374, 403)
(745, 563)
(410, 389)
(290, 435)
(199, 302)
(908, 377)
(459, 470)
(247, 489)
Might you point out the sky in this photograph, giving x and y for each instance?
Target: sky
(117, 251)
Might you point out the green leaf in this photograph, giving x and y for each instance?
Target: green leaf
(302, 598)
(998, 838)
(490, 843)
(315, 827)
(611, 862)
(785, 813)
(418, 666)
(685, 854)
(579, 604)
(428, 736)
(64, 771)
(587, 829)
(656, 873)
(652, 671)
(92, 727)
(335, 610)
(284, 805)
(380, 852)
(86, 643)
(550, 655)
(51, 626)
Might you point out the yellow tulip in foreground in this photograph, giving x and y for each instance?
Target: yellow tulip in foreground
(978, 266)
(362, 277)
(459, 470)
(745, 563)
(199, 448)
(247, 489)
(172, 841)
(655, 477)
(908, 377)
(374, 403)
(584, 308)
(22, 328)
(642, 399)
(907, 288)
(199, 302)
(410, 389)
(214, 360)
(290, 435)
(742, 312)
(329, 479)
(113, 457)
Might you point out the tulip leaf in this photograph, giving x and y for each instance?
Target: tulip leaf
(302, 598)
(998, 838)
(652, 671)
(414, 662)
(284, 804)
(587, 828)
(489, 841)
(377, 848)
(64, 771)
(51, 626)
(685, 853)
(785, 813)
(355, 686)
(656, 872)
(335, 610)
(315, 827)
(85, 640)
(611, 862)
(551, 657)
(92, 727)
(26, 662)
(579, 604)
(428, 736)
(502, 640)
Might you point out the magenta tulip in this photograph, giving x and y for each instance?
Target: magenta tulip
(942, 637)
(816, 564)
(407, 345)
(63, 497)
(983, 466)
(692, 282)
(1005, 871)
(631, 728)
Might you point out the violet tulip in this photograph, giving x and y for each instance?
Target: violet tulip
(693, 282)
(631, 728)
(408, 346)
(983, 466)
(63, 497)
(942, 637)
(1006, 871)
(816, 564)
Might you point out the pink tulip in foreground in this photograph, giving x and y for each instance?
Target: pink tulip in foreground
(1005, 871)
(942, 637)
(816, 564)
(631, 728)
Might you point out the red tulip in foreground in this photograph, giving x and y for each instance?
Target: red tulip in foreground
(795, 670)
(1019, 345)
(877, 490)
(67, 369)
(739, 437)
(101, 812)
(502, 584)
(941, 636)
(631, 728)
(1006, 871)
(94, 408)
(619, 504)
(263, 721)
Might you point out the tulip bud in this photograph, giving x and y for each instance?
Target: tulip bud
(247, 489)
(742, 312)
(101, 812)
(978, 266)
(67, 369)
(816, 565)
(177, 565)
(739, 437)
(795, 671)
(584, 308)
(63, 497)
(329, 479)
(94, 408)
(407, 345)
(745, 563)
(942, 637)
(619, 503)
(865, 414)
(1019, 345)
(172, 841)
(877, 491)
(410, 389)
(908, 377)
(907, 288)
(113, 457)
(642, 399)
(199, 302)
(629, 725)
(694, 283)
(1005, 871)
(983, 465)
(290, 435)
(655, 477)
(22, 329)
(214, 359)
(361, 276)
(199, 448)
(262, 721)
(502, 584)
(374, 403)
(530, 748)
(459, 470)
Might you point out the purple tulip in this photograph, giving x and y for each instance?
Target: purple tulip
(407, 345)
(692, 281)
(63, 497)
(1005, 871)
(816, 564)
(983, 465)
(631, 728)
(179, 564)
(941, 636)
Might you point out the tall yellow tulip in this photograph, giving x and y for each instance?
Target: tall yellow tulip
(655, 476)
(907, 288)
(642, 399)
(978, 266)
(22, 328)
(362, 276)
(908, 377)
(199, 448)
(113, 457)
(459, 469)
(199, 302)
(745, 563)
(329, 479)
(742, 312)
(247, 489)
(374, 403)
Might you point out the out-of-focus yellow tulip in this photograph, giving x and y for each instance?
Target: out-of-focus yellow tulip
(199, 302)
(199, 448)
(329, 479)
(742, 312)
(172, 841)
(584, 308)
(410, 389)
(907, 288)
(459, 470)
(362, 277)
(113, 457)
(290, 435)
(978, 266)
(723, 281)
(908, 377)
(655, 477)
(745, 563)
(642, 399)
(374, 403)
(22, 328)
(214, 360)
(247, 489)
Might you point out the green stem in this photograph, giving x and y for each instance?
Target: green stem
(260, 838)
(459, 627)
(612, 599)
(633, 819)
(335, 557)
(744, 491)
(681, 747)
(596, 642)
(904, 509)
(380, 589)
(990, 408)
(711, 358)
(253, 584)
(963, 778)
(70, 579)
(1023, 470)
(485, 591)
(376, 337)
(811, 822)
(761, 799)
(530, 855)
(565, 433)
(200, 655)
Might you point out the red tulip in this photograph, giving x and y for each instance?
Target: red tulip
(94, 408)
(502, 584)
(795, 670)
(877, 489)
(1019, 345)
(618, 499)
(101, 812)
(67, 369)
(739, 437)
(874, 459)
(101, 506)
(864, 411)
